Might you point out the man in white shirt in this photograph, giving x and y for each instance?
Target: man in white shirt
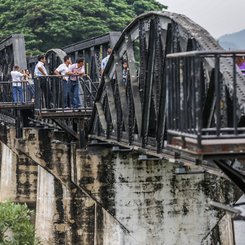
(40, 72)
(40, 69)
(75, 71)
(17, 85)
(105, 60)
(62, 70)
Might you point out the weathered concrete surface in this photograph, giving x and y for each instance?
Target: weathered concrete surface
(19, 173)
(75, 216)
(156, 205)
(18, 177)
(100, 197)
(8, 187)
(239, 225)
(45, 207)
(226, 230)
(26, 176)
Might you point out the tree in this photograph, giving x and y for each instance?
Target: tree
(15, 225)
(47, 24)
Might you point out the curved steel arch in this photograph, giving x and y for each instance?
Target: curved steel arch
(136, 114)
(54, 58)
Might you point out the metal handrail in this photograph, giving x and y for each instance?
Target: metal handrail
(55, 95)
(221, 53)
(186, 86)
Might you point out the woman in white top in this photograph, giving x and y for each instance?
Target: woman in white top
(16, 85)
(63, 70)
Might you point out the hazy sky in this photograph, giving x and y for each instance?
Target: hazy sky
(218, 17)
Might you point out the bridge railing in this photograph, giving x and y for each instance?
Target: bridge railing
(10, 94)
(197, 99)
(50, 93)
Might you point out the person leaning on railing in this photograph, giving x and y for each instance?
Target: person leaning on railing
(16, 85)
(40, 73)
(62, 70)
(74, 72)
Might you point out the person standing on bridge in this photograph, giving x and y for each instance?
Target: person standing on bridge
(16, 85)
(105, 60)
(125, 72)
(30, 86)
(241, 63)
(40, 73)
(75, 71)
(63, 70)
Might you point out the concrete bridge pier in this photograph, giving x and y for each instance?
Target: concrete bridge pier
(99, 196)
(8, 185)
(18, 173)
(153, 199)
(65, 212)
(52, 217)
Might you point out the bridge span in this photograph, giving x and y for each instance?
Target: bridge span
(182, 99)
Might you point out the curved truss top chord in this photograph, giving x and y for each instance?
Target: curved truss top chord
(54, 58)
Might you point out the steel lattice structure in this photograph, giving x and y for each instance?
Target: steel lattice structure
(180, 89)
(12, 51)
(139, 113)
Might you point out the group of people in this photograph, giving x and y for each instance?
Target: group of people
(69, 74)
(125, 71)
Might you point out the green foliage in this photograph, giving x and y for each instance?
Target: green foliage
(15, 225)
(55, 23)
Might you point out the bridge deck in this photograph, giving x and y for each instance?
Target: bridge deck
(65, 113)
(209, 147)
(10, 105)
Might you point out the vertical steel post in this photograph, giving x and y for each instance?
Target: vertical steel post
(193, 94)
(199, 100)
(234, 95)
(217, 94)
(169, 96)
(185, 94)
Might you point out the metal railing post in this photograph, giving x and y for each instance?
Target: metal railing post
(217, 93)
(234, 94)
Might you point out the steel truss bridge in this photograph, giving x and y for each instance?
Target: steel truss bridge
(183, 98)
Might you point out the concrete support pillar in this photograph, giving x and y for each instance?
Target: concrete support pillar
(18, 173)
(53, 224)
(18, 180)
(150, 198)
(45, 207)
(26, 177)
(8, 185)
(66, 213)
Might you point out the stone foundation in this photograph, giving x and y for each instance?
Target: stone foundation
(96, 196)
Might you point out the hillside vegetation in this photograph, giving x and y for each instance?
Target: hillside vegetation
(48, 23)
